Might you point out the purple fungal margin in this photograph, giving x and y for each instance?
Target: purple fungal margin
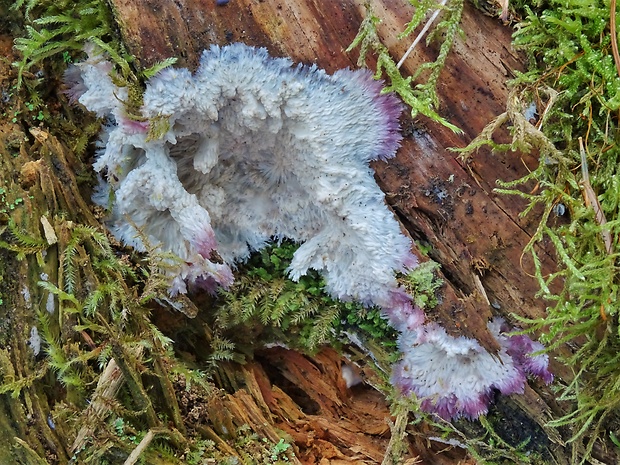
(74, 84)
(455, 377)
(388, 106)
(401, 312)
(528, 354)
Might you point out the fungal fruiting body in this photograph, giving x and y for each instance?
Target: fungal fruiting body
(455, 376)
(249, 149)
(256, 149)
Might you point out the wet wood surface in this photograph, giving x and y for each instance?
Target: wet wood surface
(475, 234)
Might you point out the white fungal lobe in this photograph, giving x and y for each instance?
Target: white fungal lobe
(250, 149)
(256, 149)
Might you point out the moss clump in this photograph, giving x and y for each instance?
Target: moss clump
(420, 96)
(423, 284)
(296, 313)
(574, 86)
(263, 300)
(62, 28)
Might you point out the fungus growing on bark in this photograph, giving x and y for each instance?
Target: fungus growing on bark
(455, 376)
(251, 148)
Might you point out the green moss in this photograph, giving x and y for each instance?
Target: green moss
(299, 313)
(294, 312)
(423, 284)
(261, 451)
(263, 300)
(418, 90)
(103, 313)
(62, 28)
(573, 81)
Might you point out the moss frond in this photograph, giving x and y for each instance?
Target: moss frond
(64, 27)
(22, 242)
(421, 97)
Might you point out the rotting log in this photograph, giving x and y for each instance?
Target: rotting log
(40, 171)
(475, 234)
(324, 421)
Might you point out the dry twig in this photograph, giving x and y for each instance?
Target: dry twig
(418, 38)
(591, 198)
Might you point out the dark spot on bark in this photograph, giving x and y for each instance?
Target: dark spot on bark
(469, 208)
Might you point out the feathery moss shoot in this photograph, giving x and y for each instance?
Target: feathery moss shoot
(570, 96)
(421, 97)
(299, 314)
(63, 28)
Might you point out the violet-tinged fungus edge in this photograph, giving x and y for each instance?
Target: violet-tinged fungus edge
(251, 148)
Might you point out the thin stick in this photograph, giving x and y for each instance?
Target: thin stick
(107, 387)
(614, 37)
(591, 198)
(135, 454)
(421, 34)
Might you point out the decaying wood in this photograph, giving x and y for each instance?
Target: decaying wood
(475, 234)
(39, 170)
(305, 399)
(144, 443)
(105, 393)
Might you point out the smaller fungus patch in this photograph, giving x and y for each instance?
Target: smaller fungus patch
(456, 377)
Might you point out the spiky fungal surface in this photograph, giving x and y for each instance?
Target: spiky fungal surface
(250, 149)
(456, 377)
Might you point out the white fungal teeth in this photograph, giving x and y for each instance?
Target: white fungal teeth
(256, 148)
(251, 148)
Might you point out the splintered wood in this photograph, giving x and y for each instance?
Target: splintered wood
(306, 399)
